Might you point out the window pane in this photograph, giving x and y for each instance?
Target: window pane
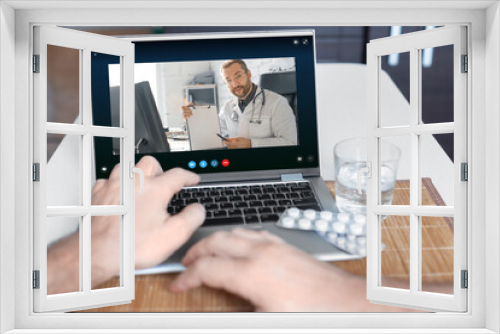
(109, 170)
(392, 168)
(437, 84)
(106, 109)
(106, 250)
(437, 172)
(64, 170)
(53, 142)
(395, 254)
(395, 90)
(437, 254)
(63, 252)
(63, 84)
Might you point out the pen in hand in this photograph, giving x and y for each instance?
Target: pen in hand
(221, 137)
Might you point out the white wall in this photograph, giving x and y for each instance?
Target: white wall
(7, 170)
(173, 77)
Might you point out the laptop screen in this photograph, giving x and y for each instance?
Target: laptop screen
(214, 103)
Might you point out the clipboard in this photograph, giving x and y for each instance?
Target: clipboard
(203, 127)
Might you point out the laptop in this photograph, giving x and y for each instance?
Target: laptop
(240, 187)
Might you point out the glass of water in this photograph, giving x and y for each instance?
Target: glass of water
(349, 157)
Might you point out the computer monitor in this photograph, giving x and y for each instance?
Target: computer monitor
(172, 65)
(149, 133)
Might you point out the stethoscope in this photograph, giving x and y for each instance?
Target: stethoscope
(235, 116)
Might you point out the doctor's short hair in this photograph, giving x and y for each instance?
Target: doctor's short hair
(230, 62)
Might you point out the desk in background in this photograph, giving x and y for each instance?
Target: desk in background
(178, 141)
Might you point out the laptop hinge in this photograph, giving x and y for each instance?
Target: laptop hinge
(292, 177)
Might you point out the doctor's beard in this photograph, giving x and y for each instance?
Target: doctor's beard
(241, 91)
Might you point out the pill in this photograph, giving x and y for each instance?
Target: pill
(361, 241)
(332, 236)
(288, 222)
(339, 227)
(321, 225)
(326, 215)
(351, 238)
(305, 223)
(293, 212)
(341, 241)
(356, 229)
(310, 214)
(351, 247)
(343, 217)
(360, 219)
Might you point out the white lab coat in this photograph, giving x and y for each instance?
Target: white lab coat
(277, 127)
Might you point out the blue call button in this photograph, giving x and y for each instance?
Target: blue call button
(203, 164)
(214, 163)
(191, 164)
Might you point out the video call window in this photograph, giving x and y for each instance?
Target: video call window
(224, 108)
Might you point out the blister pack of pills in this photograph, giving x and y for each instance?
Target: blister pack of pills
(346, 231)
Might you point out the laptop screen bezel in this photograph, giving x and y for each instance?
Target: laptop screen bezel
(148, 49)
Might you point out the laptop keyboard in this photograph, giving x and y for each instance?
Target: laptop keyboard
(246, 204)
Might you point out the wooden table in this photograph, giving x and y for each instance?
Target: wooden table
(151, 294)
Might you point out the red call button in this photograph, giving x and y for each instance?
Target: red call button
(225, 163)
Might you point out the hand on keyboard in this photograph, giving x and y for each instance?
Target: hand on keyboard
(276, 277)
(271, 274)
(157, 233)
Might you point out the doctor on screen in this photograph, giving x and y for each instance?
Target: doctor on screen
(256, 117)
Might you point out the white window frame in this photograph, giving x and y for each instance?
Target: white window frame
(483, 122)
(415, 43)
(85, 43)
